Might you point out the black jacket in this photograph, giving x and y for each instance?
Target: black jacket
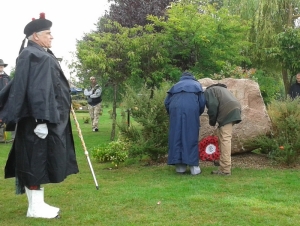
(39, 90)
(295, 90)
(4, 80)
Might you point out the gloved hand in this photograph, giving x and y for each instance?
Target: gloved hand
(41, 130)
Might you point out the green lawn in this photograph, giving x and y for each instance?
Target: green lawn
(156, 195)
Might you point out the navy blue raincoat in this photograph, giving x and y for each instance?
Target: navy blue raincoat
(185, 102)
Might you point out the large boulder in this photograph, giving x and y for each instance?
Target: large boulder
(255, 119)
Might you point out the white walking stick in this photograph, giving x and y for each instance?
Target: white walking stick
(84, 147)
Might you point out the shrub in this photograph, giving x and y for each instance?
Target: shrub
(105, 104)
(150, 136)
(76, 105)
(115, 152)
(133, 135)
(284, 154)
(270, 87)
(86, 120)
(82, 102)
(110, 112)
(283, 144)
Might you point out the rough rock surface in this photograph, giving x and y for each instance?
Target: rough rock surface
(255, 119)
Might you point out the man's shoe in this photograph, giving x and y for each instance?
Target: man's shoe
(195, 170)
(217, 172)
(96, 129)
(180, 168)
(216, 163)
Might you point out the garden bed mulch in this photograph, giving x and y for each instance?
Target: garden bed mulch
(243, 160)
(254, 161)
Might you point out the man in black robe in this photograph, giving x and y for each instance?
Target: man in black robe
(39, 103)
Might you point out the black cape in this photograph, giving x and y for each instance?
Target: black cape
(39, 90)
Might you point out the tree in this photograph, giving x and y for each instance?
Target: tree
(206, 44)
(150, 59)
(129, 13)
(288, 52)
(268, 18)
(12, 72)
(107, 54)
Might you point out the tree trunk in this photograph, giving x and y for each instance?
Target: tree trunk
(114, 114)
(286, 81)
(285, 77)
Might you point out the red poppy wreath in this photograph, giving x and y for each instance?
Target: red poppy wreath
(209, 148)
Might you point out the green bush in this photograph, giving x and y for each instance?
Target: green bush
(86, 120)
(115, 152)
(283, 144)
(150, 136)
(82, 102)
(285, 154)
(75, 105)
(270, 87)
(105, 104)
(133, 135)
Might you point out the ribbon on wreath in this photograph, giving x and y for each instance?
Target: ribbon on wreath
(208, 148)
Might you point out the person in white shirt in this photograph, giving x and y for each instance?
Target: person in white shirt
(94, 99)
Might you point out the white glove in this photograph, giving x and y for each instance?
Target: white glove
(41, 130)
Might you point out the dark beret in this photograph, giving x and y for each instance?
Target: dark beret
(37, 25)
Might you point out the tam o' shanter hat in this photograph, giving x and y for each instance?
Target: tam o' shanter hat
(2, 63)
(36, 25)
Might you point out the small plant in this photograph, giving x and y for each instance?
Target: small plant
(150, 136)
(115, 152)
(86, 120)
(110, 112)
(82, 102)
(284, 153)
(105, 105)
(123, 113)
(76, 105)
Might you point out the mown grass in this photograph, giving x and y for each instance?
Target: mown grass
(156, 195)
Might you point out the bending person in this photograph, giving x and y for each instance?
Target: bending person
(185, 102)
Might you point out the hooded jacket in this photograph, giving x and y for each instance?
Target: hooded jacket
(184, 103)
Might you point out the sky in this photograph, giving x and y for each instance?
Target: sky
(71, 19)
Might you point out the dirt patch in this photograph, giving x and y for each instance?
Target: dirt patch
(252, 160)
(243, 160)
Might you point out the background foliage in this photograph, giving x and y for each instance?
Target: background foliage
(150, 136)
(282, 144)
(142, 43)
